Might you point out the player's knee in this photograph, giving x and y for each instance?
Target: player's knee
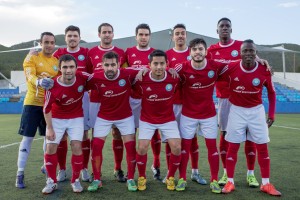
(51, 148)
(176, 148)
(76, 147)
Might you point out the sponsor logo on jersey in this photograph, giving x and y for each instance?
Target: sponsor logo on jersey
(240, 88)
(173, 59)
(81, 57)
(211, 74)
(153, 96)
(80, 88)
(133, 55)
(148, 89)
(69, 101)
(234, 53)
(169, 87)
(255, 82)
(196, 85)
(217, 53)
(236, 79)
(122, 82)
(192, 76)
(55, 68)
(109, 92)
(188, 58)
(102, 85)
(64, 96)
(137, 62)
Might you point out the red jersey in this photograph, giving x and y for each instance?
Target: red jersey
(65, 101)
(157, 98)
(137, 58)
(246, 85)
(224, 54)
(95, 55)
(114, 94)
(175, 60)
(81, 56)
(198, 86)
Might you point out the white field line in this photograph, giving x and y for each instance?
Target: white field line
(287, 127)
(16, 143)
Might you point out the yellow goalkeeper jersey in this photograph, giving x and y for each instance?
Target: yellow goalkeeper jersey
(37, 67)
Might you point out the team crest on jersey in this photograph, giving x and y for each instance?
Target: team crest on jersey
(80, 88)
(211, 74)
(188, 58)
(234, 53)
(169, 87)
(81, 57)
(55, 68)
(122, 82)
(255, 82)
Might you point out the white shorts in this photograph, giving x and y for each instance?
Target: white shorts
(168, 130)
(177, 108)
(240, 119)
(73, 127)
(86, 107)
(223, 112)
(207, 128)
(135, 105)
(93, 112)
(103, 127)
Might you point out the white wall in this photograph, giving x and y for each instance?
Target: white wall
(18, 79)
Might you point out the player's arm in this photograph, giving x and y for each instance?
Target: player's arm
(264, 62)
(50, 134)
(30, 74)
(272, 100)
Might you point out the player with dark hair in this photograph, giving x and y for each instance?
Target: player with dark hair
(246, 80)
(39, 69)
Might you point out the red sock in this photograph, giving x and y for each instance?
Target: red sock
(61, 152)
(86, 153)
(194, 152)
(118, 149)
(185, 151)
(77, 162)
(213, 158)
(141, 162)
(130, 158)
(223, 147)
(97, 157)
(51, 164)
(168, 154)
(263, 160)
(156, 147)
(250, 152)
(174, 164)
(231, 158)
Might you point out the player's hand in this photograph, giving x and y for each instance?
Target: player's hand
(173, 73)
(46, 83)
(50, 134)
(33, 52)
(270, 122)
(141, 73)
(266, 63)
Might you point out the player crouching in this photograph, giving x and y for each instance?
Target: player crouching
(63, 113)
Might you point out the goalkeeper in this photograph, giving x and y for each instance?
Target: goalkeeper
(39, 69)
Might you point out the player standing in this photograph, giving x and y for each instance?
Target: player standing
(63, 113)
(177, 55)
(157, 90)
(138, 57)
(227, 50)
(106, 34)
(39, 69)
(247, 79)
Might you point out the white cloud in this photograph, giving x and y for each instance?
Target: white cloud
(289, 4)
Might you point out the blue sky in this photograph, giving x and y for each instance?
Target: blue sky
(266, 22)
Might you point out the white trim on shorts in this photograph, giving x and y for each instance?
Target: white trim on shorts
(93, 113)
(168, 130)
(254, 119)
(103, 127)
(208, 128)
(135, 105)
(73, 127)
